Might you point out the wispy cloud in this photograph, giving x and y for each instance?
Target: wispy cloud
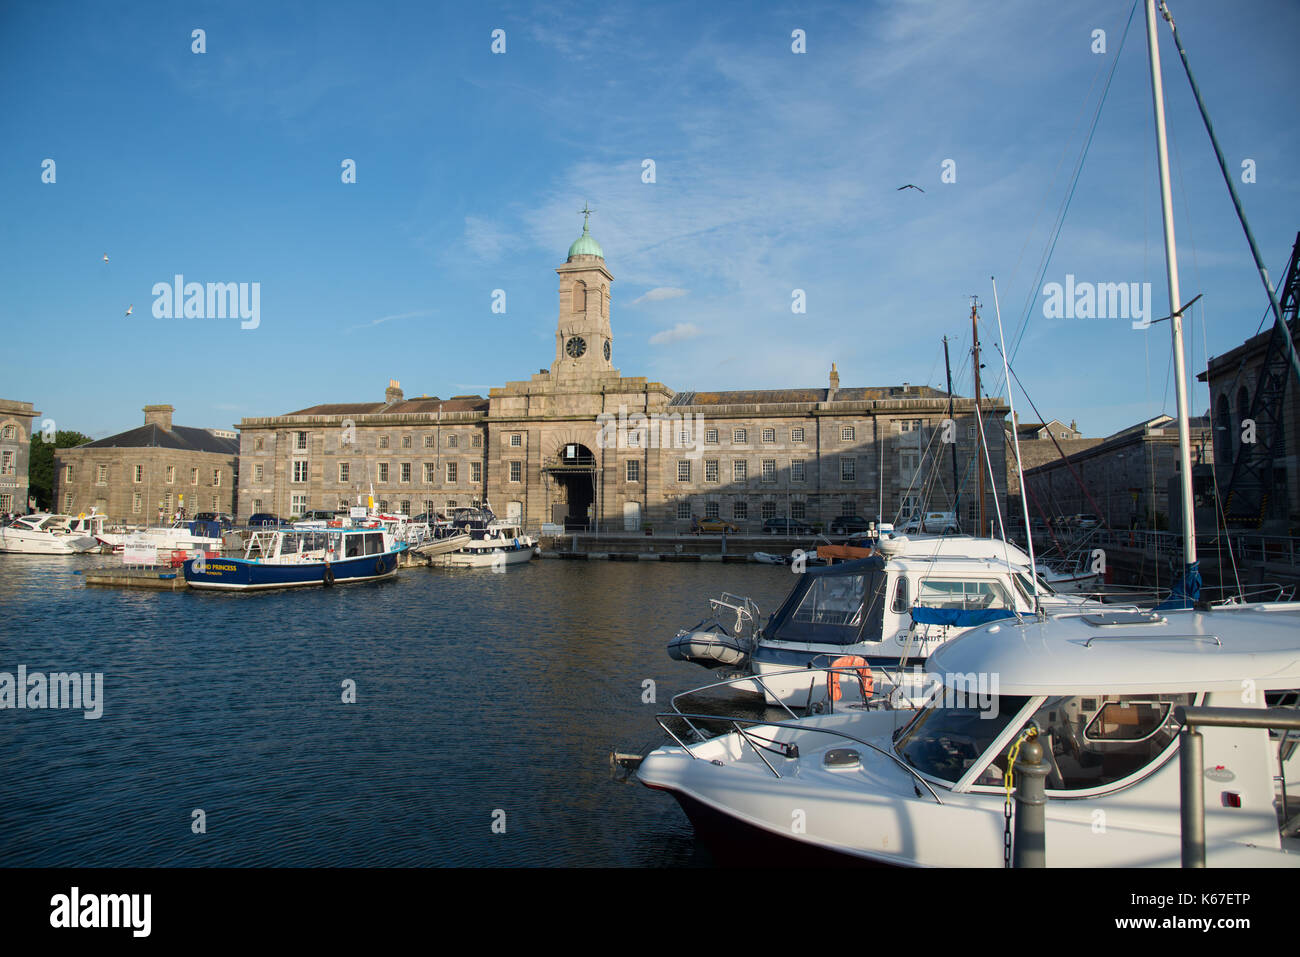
(678, 333)
(382, 319)
(658, 294)
(485, 238)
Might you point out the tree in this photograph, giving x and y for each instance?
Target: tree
(40, 468)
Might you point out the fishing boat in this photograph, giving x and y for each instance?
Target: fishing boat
(289, 558)
(869, 784)
(45, 533)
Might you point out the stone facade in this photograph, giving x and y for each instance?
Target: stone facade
(160, 467)
(579, 443)
(1128, 476)
(15, 454)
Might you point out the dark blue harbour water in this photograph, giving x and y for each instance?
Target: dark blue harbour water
(476, 693)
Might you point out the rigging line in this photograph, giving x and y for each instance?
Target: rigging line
(1281, 326)
(1064, 458)
(1024, 325)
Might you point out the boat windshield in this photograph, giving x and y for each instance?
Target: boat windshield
(944, 742)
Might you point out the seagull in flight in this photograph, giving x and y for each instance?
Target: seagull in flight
(910, 186)
(129, 308)
(105, 257)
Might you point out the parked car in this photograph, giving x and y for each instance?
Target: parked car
(848, 525)
(224, 518)
(262, 519)
(715, 525)
(786, 526)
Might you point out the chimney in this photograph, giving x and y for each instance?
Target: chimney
(835, 378)
(393, 393)
(159, 415)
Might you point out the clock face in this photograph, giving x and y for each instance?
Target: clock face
(575, 347)
(606, 350)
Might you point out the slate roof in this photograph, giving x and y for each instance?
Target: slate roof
(181, 437)
(459, 403)
(779, 396)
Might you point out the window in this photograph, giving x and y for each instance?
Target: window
(848, 508)
(769, 435)
(963, 595)
(216, 477)
(7, 466)
(171, 474)
(299, 506)
(406, 442)
(516, 440)
(405, 507)
(9, 435)
(137, 503)
(257, 505)
(633, 471)
(798, 510)
(683, 439)
(430, 473)
(404, 473)
(383, 472)
(383, 441)
(908, 464)
(683, 470)
(1093, 742)
(796, 470)
(769, 470)
(710, 509)
(101, 474)
(261, 444)
(739, 470)
(683, 510)
(301, 444)
(476, 471)
(452, 441)
(847, 433)
(345, 472)
(428, 508)
(901, 603)
(194, 476)
(634, 439)
(767, 510)
(796, 435)
(848, 470)
(300, 471)
(257, 473)
(139, 473)
(215, 506)
(710, 470)
(451, 473)
(740, 511)
(516, 471)
(476, 441)
(740, 436)
(428, 442)
(710, 436)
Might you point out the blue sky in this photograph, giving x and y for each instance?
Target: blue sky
(774, 171)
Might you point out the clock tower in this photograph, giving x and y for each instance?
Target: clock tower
(583, 341)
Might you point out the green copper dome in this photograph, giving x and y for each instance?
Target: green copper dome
(584, 245)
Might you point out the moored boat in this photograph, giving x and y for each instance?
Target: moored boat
(44, 533)
(289, 558)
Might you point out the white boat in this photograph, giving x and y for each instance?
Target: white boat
(179, 536)
(925, 788)
(495, 546)
(45, 533)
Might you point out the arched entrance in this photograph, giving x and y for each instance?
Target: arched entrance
(573, 470)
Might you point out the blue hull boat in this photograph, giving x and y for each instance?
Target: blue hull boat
(295, 558)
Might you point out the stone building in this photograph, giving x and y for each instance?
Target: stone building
(15, 454)
(1126, 476)
(158, 468)
(1255, 401)
(580, 444)
(1040, 443)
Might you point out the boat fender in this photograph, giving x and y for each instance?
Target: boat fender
(379, 566)
(856, 663)
(329, 576)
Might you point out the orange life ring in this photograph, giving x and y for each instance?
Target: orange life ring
(858, 664)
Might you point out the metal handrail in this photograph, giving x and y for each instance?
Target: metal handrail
(797, 726)
(1213, 638)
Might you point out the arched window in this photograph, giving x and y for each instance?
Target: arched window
(1223, 447)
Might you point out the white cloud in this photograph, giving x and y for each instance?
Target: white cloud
(382, 319)
(658, 294)
(678, 333)
(484, 238)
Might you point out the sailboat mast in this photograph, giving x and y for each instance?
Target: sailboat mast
(979, 415)
(1175, 300)
(956, 489)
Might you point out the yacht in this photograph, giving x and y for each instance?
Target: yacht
(45, 533)
(925, 788)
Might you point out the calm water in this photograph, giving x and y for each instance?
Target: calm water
(476, 692)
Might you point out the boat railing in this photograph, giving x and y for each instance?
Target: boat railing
(786, 749)
(745, 610)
